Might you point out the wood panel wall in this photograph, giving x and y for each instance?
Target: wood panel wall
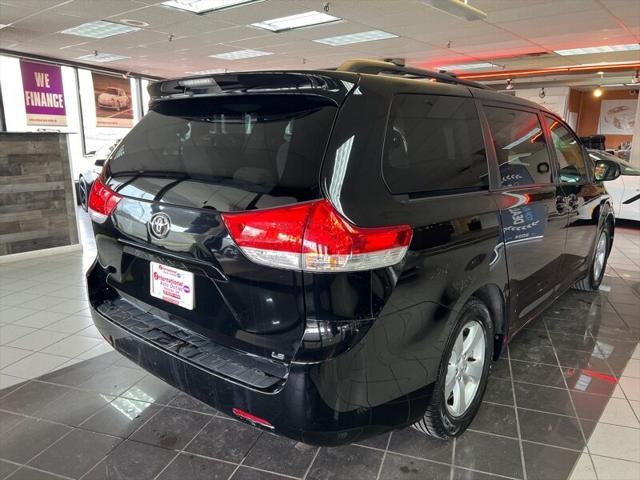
(37, 208)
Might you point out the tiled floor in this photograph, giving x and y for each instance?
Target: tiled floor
(564, 402)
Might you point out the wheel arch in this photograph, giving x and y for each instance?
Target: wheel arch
(494, 298)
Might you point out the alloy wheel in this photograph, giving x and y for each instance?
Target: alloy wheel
(465, 368)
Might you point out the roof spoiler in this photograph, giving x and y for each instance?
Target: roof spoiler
(376, 67)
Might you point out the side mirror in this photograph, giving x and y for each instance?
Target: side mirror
(100, 162)
(606, 170)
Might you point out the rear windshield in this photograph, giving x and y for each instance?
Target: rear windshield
(229, 153)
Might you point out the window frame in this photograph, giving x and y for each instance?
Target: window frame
(549, 135)
(420, 194)
(496, 184)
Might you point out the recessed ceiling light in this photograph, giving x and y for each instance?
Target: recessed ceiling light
(99, 29)
(204, 6)
(457, 8)
(134, 23)
(467, 66)
(602, 49)
(301, 20)
(241, 54)
(361, 37)
(102, 57)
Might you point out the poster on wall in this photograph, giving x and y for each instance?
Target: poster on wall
(617, 117)
(113, 101)
(44, 101)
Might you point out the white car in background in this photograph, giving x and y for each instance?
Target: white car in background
(624, 190)
(115, 98)
(86, 178)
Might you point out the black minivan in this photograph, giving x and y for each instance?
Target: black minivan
(329, 255)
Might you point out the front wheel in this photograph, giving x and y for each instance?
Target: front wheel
(598, 263)
(463, 373)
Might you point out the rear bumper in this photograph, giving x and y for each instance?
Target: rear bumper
(334, 402)
(297, 411)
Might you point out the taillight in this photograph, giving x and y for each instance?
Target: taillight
(314, 237)
(102, 201)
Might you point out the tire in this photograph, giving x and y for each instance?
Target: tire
(594, 277)
(441, 419)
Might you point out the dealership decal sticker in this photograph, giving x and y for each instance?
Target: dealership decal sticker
(44, 101)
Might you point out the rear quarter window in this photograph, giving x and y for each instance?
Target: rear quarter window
(434, 145)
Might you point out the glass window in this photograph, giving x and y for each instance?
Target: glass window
(521, 149)
(434, 143)
(264, 144)
(568, 152)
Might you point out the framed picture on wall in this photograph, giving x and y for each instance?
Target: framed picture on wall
(617, 117)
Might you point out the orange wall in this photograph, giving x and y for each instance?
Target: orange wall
(588, 108)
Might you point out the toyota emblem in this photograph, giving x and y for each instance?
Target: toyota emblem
(160, 225)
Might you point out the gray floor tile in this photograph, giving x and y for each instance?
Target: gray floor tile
(191, 467)
(348, 462)
(182, 400)
(224, 439)
(546, 399)
(73, 407)
(113, 380)
(26, 473)
(31, 397)
(7, 469)
(546, 463)
(398, 466)
(550, 429)
(280, 455)
(498, 419)
(75, 454)
(409, 441)
(29, 438)
(539, 373)
(132, 460)
(171, 428)
(244, 473)
(489, 453)
(121, 417)
(152, 389)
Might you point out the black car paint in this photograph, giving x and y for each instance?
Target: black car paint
(363, 348)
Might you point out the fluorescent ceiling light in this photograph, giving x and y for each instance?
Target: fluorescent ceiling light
(209, 72)
(613, 85)
(467, 66)
(241, 54)
(204, 6)
(301, 20)
(99, 29)
(102, 57)
(361, 37)
(457, 8)
(602, 49)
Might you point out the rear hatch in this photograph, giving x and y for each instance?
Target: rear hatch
(237, 144)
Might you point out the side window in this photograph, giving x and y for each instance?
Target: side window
(434, 143)
(521, 149)
(568, 152)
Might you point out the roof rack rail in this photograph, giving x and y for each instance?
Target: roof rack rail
(376, 67)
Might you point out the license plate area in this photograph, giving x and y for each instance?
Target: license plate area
(172, 285)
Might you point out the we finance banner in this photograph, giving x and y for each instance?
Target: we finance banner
(43, 94)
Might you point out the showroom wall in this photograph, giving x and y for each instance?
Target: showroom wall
(79, 94)
(589, 108)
